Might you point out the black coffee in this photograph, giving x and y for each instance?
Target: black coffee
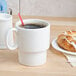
(32, 26)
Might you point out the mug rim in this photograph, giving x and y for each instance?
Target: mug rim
(18, 23)
(5, 16)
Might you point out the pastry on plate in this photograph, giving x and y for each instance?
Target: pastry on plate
(67, 41)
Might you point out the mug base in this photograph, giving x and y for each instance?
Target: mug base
(3, 47)
(32, 59)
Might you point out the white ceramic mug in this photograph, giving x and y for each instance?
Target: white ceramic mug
(32, 43)
(5, 25)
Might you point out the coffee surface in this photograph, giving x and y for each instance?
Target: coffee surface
(32, 26)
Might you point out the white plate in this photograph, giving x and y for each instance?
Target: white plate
(55, 45)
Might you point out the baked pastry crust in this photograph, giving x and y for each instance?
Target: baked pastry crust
(67, 41)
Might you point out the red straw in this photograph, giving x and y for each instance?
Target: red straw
(21, 19)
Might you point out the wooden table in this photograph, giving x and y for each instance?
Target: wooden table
(56, 64)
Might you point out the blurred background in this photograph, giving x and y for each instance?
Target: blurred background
(53, 8)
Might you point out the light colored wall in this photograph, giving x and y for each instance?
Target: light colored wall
(56, 8)
(14, 4)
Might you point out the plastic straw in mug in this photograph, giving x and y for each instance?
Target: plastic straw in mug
(21, 19)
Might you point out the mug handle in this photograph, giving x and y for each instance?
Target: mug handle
(14, 46)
